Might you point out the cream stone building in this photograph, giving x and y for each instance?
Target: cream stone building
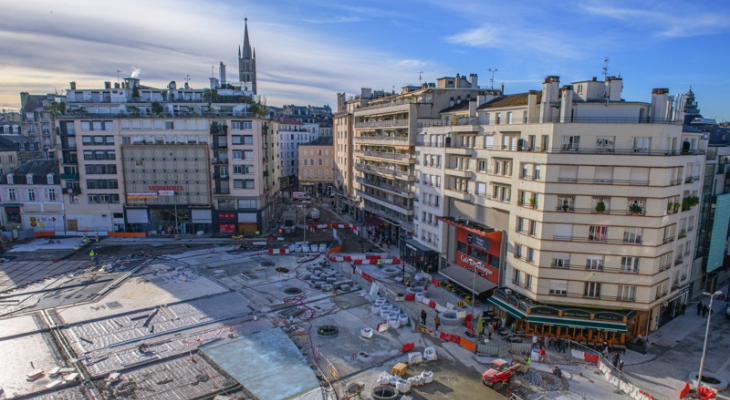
(316, 165)
(594, 194)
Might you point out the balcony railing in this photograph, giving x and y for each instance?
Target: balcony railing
(382, 123)
(399, 190)
(381, 170)
(596, 239)
(388, 155)
(401, 140)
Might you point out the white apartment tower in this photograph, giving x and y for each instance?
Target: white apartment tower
(595, 196)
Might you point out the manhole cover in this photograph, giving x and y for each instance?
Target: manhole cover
(292, 290)
(328, 330)
(282, 270)
(113, 305)
(267, 263)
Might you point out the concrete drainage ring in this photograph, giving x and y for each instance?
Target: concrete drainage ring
(385, 393)
(450, 318)
(389, 271)
(709, 380)
(292, 290)
(328, 330)
(282, 270)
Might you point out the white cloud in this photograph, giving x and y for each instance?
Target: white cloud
(88, 41)
(669, 22)
(517, 38)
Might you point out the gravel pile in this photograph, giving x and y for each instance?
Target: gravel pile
(543, 380)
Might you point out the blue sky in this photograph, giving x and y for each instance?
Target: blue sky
(309, 50)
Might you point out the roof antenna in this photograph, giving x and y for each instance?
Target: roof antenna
(606, 93)
(491, 81)
(420, 76)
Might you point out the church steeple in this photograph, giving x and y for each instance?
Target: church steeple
(247, 62)
(246, 44)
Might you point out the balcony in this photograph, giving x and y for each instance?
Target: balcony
(403, 157)
(461, 150)
(72, 189)
(397, 190)
(389, 214)
(222, 191)
(595, 239)
(382, 123)
(393, 173)
(220, 161)
(70, 176)
(462, 173)
(384, 201)
(394, 140)
(457, 194)
(678, 261)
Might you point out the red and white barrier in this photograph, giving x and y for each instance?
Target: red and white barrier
(282, 250)
(360, 259)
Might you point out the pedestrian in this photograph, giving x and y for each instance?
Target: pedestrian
(490, 330)
(547, 342)
(354, 269)
(423, 317)
(605, 350)
(683, 308)
(621, 366)
(699, 308)
(534, 342)
(542, 354)
(437, 321)
(615, 359)
(705, 309)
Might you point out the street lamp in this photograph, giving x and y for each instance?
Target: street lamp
(707, 333)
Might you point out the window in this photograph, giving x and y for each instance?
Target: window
(641, 144)
(626, 292)
(630, 264)
(528, 281)
(633, 235)
(169, 124)
(605, 144)
(237, 154)
(519, 251)
(598, 233)
(594, 262)
(481, 189)
(559, 288)
(482, 165)
(521, 224)
(12, 195)
(51, 194)
(571, 143)
(31, 195)
(561, 260)
(592, 289)
(516, 276)
(530, 254)
(243, 183)
(536, 173)
(532, 230)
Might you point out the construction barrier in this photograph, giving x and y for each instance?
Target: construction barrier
(127, 234)
(468, 344)
(432, 304)
(335, 249)
(44, 234)
(408, 347)
(410, 297)
(282, 250)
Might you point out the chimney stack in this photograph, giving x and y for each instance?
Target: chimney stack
(659, 106)
(107, 85)
(72, 84)
(116, 85)
(473, 81)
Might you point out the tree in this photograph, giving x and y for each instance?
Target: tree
(157, 107)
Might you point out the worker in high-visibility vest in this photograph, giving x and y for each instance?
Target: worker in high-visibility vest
(91, 253)
(76, 247)
(84, 238)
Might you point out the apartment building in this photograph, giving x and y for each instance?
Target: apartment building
(384, 153)
(290, 135)
(30, 198)
(346, 201)
(593, 196)
(316, 166)
(37, 119)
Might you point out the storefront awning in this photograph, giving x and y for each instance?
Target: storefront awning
(413, 244)
(577, 323)
(374, 221)
(509, 309)
(467, 279)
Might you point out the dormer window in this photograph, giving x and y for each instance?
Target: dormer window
(29, 179)
(10, 179)
(49, 179)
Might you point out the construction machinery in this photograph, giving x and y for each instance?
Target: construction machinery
(500, 373)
